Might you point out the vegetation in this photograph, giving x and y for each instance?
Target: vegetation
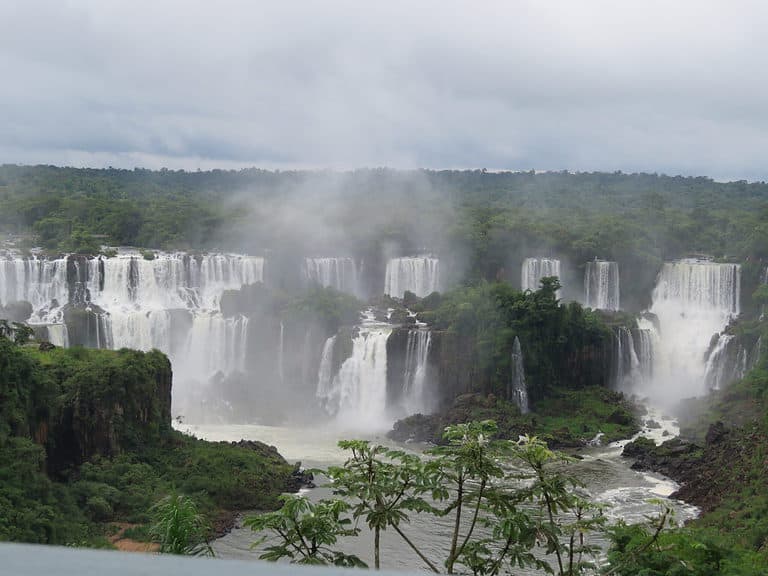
(492, 220)
(487, 318)
(565, 419)
(179, 527)
(85, 439)
(532, 513)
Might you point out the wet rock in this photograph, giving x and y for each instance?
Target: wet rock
(300, 478)
(716, 433)
(621, 417)
(416, 428)
(652, 424)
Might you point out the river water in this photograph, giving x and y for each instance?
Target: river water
(607, 476)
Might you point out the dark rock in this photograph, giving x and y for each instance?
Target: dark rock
(621, 417)
(46, 346)
(300, 478)
(416, 428)
(716, 433)
(652, 424)
(19, 311)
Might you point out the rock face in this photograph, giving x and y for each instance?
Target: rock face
(84, 403)
(458, 371)
(124, 405)
(16, 311)
(708, 473)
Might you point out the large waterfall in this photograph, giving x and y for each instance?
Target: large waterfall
(693, 301)
(417, 274)
(518, 389)
(601, 285)
(169, 302)
(338, 273)
(417, 397)
(357, 394)
(534, 269)
(42, 283)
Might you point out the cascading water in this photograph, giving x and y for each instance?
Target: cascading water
(693, 300)
(417, 274)
(646, 343)
(534, 269)
(169, 302)
(325, 374)
(357, 394)
(518, 389)
(626, 369)
(338, 273)
(416, 395)
(42, 283)
(601, 285)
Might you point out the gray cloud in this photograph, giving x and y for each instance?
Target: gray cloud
(675, 87)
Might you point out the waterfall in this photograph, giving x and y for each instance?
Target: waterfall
(728, 360)
(693, 300)
(169, 280)
(338, 273)
(647, 342)
(357, 395)
(417, 274)
(214, 344)
(128, 301)
(42, 283)
(601, 285)
(58, 335)
(415, 380)
(534, 269)
(627, 368)
(325, 373)
(518, 390)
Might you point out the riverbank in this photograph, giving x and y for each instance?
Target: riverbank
(565, 419)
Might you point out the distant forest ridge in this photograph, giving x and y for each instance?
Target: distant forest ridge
(489, 220)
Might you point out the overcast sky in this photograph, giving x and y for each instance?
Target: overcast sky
(679, 87)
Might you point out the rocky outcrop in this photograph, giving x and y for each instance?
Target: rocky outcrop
(727, 462)
(16, 311)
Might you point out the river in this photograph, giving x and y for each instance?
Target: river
(607, 476)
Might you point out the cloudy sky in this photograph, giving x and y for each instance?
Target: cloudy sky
(677, 87)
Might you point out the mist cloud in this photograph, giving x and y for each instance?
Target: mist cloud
(653, 86)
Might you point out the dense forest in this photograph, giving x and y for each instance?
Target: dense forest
(86, 440)
(487, 221)
(87, 432)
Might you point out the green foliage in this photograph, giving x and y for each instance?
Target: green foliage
(328, 306)
(650, 550)
(531, 512)
(306, 532)
(178, 527)
(487, 318)
(85, 438)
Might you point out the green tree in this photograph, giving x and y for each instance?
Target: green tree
(179, 527)
(306, 532)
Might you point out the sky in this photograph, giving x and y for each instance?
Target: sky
(656, 86)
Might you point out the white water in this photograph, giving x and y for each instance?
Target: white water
(607, 477)
(601, 285)
(139, 299)
(534, 269)
(518, 392)
(325, 372)
(693, 300)
(338, 273)
(417, 274)
(417, 397)
(42, 283)
(357, 395)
